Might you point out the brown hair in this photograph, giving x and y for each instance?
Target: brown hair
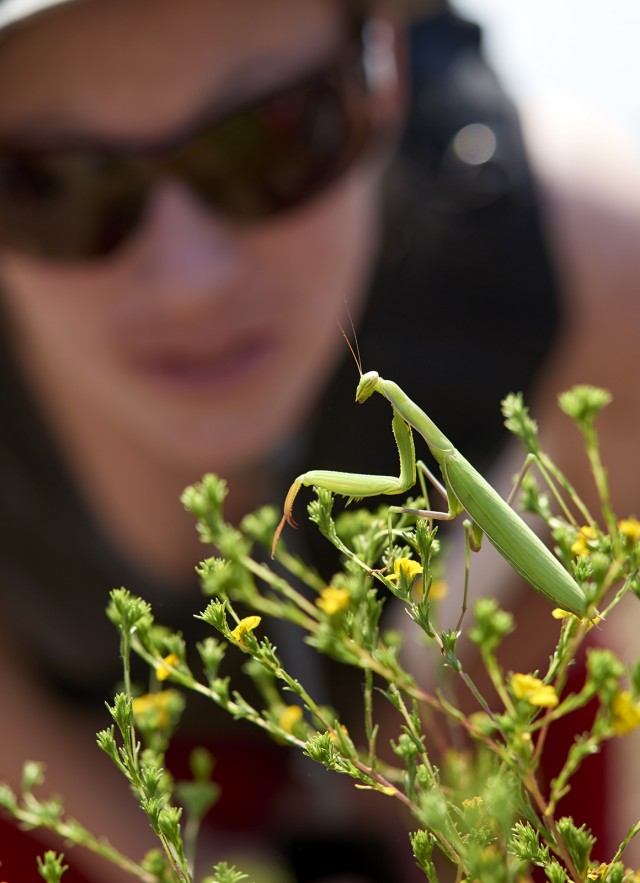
(406, 7)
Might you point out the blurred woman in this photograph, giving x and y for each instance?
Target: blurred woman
(191, 195)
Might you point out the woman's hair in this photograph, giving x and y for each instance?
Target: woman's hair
(15, 12)
(407, 7)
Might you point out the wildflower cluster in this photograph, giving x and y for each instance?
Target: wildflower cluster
(479, 812)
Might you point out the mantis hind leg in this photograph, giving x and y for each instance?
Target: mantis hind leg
(468, 548)
(436, 515)
(473, 530)
(431, 514)
(424, 472)
(529, 461)
(473, 533)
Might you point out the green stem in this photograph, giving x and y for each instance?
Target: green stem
(633, 831)
(495, 673)
(370, 729)
(602, 485)
(547, 470)
(80, 836)
(546, 813)
(280, 585)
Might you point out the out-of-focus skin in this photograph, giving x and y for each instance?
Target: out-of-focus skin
(199, 345)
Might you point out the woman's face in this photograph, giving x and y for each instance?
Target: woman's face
(200, 339)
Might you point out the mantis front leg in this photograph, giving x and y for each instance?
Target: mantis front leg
(356, 485)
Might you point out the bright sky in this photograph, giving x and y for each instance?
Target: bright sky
(581, 54)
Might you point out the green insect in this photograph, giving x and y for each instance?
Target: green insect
(464, 488)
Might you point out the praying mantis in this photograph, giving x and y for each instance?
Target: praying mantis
(464, 488)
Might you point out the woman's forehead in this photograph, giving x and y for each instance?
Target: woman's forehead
(153, 63)
(14, 11)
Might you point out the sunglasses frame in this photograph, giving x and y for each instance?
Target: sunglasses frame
(356, 75)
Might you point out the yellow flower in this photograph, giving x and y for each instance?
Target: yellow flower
(559, 613)
(389, 790)
(246, 625)
(153, 708)
(334, 736)
(630, 528)
(289, 717)
(408, 567)
(438, 590)
(163, 669)
(534, 691)
(473, 802)
(581, 545)
(626, 713)
(333, 600)
(598, 873)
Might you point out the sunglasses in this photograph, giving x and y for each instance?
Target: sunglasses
(66, 202)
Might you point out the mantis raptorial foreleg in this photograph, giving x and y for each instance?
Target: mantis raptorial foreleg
(465, 490)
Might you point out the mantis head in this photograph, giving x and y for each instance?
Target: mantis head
(367, 386)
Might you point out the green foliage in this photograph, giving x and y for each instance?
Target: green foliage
(584, 403)
(223, 873)
(480, 808)
(491, 625)
(51, 867)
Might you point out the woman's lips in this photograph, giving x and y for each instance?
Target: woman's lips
(189, 370)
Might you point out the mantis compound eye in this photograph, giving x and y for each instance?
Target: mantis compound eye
(367, 386)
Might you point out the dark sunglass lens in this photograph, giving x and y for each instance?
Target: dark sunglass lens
(275, 155)
(261, 160)
(67, 206)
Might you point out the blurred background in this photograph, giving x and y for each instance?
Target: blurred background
(575, 56)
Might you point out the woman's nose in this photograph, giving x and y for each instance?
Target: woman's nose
(184, 253)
